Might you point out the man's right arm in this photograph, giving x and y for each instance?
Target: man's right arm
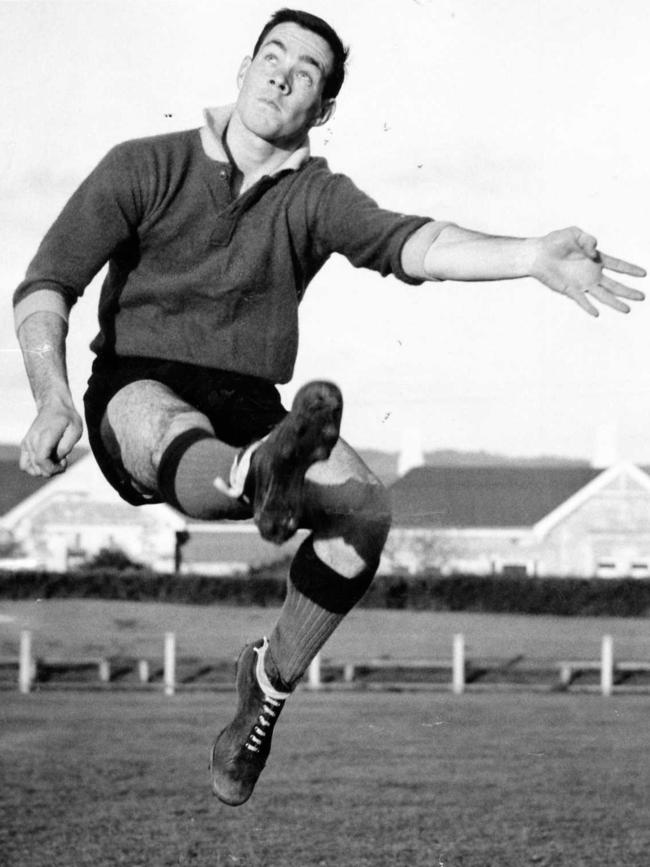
(99, 216)
(57, 426)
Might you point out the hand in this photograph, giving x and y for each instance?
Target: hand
(569, 262)
(49, 441)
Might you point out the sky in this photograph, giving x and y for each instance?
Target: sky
(513, 117)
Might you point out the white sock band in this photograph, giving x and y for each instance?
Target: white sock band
(238, 473)
(262, 678)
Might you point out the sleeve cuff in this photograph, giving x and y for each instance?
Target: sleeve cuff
(437, 227)
(41, 301)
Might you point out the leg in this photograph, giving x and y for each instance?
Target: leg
(168, 449)
(347, 509)
(163, 447)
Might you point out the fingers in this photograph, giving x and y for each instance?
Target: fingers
(580, 298)
(622, 267)
(588, 244)
(601, 294)
(39, 466)
(70, 437)
(41, 452)
(610, 292)
(620, 289)
(49, 441)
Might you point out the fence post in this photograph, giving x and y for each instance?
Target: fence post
(313, 676)
(25, 662)
(169, 674)
(458, 664)
(607, 665)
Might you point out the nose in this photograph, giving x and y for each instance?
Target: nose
(279, 80)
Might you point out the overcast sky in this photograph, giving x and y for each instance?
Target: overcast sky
(509, 116)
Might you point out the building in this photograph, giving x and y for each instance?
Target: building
(565, 520)
(534, 520)
(74, 515)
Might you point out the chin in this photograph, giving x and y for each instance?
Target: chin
(261, 122)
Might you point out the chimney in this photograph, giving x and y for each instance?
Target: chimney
(605, 446)
(411, 454)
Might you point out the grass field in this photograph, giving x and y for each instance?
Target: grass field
(65, 627)
(354, 780)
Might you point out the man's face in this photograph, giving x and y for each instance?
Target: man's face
(281, 88)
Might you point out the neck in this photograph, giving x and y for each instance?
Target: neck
(253, 155)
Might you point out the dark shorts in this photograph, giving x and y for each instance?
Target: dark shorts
(240, 408)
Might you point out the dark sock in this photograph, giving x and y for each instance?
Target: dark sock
(317, 600)
(187, 471)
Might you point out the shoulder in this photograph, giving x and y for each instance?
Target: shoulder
(152, 162)
(165, 145)
(317, 170)
(318, 180)
(330, 192)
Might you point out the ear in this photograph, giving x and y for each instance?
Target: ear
(325, 113)
(243, 69)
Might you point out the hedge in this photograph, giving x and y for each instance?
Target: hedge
(567, 597)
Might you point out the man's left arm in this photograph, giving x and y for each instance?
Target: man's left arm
(567, 261)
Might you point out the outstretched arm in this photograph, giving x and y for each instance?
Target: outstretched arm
(567, 261)
(57, 426)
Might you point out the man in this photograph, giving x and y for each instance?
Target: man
(212, 237)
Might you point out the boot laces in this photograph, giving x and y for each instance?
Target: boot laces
(264, 724)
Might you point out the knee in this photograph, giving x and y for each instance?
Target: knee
(178, 426)
(352, 538)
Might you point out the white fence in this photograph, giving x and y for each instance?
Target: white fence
(457, 666)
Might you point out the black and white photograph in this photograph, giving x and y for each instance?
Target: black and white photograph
(325, 460)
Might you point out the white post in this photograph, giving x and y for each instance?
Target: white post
(169, 676)
(143, 670)
(104, 670)
(313, 676)
(25, 663)
(607, 665)
(458, 664)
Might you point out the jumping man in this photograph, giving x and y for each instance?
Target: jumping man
(212, 236)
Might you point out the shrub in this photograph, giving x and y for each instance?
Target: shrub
(110, 558)
(567, 597)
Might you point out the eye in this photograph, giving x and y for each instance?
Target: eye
(305, 77)
(270, 57)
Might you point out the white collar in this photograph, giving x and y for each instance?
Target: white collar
(216, 120)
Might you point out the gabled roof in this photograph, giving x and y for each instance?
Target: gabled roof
(491, 496)
(595, 486)
(83, 488)
(16, 485)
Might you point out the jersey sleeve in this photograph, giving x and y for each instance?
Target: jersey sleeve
(102, 214)
(350, 222)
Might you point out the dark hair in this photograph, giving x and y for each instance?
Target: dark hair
(321, 28)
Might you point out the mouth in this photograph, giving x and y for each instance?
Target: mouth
(270, 102)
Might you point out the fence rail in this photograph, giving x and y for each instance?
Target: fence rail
(456, 673)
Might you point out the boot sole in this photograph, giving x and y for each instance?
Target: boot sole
(305, 437)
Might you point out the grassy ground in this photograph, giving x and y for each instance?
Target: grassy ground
(64, 627)
(354, 780)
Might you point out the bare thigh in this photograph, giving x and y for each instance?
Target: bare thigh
(140, 422)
